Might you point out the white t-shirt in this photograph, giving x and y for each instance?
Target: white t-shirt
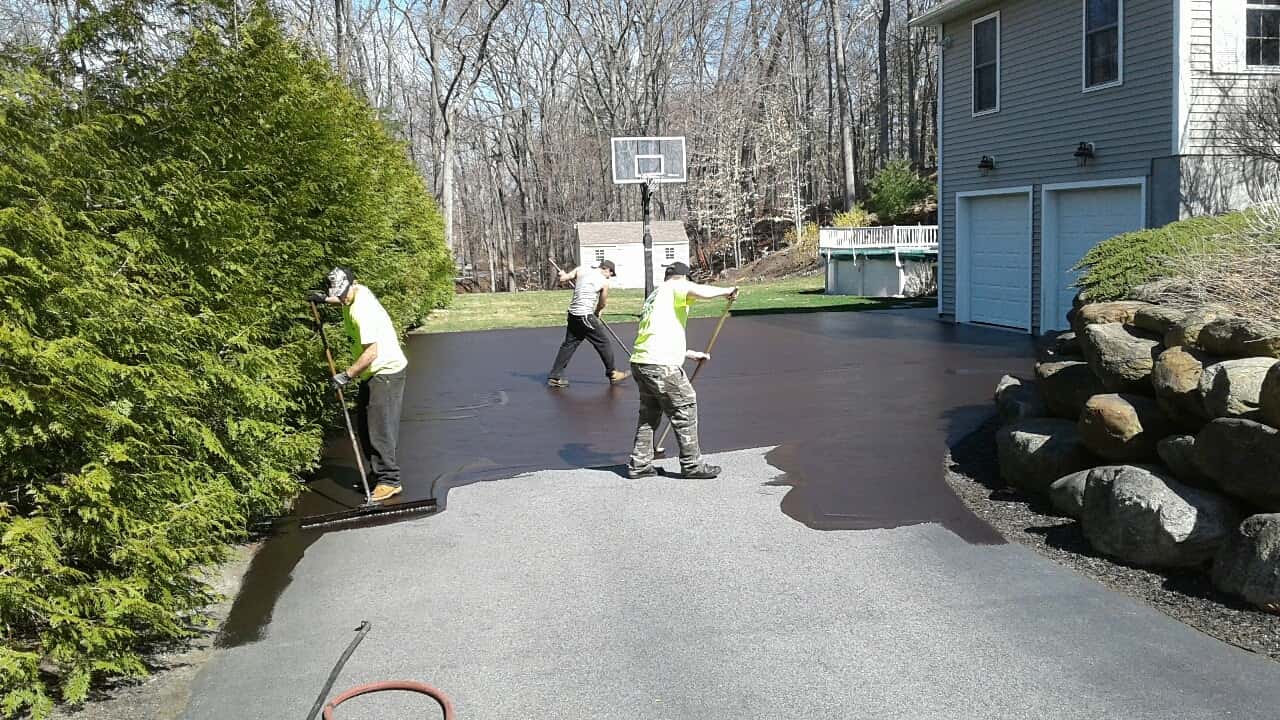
(586, 293)
(367, 322)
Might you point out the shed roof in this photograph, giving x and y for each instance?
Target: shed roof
(626, 233)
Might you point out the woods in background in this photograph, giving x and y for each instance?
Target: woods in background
(790, 108)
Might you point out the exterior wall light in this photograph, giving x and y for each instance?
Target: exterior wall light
(1084, 153)
(987, 164)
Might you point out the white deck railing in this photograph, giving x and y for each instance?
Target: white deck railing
(900, 236)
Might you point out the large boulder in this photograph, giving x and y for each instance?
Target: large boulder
(1034, 453)
(1058, 346)
(1018, 400)
(1248, 564)
(1106, 313)
(1120, 358)
(1067, 493)
(1158, 319)
(1122, 428)
(1242, 458)
(1175, 377)
(1232, 388)
(1155, 291)
(1239, 337)
(1178, 453)
(1187, 331)
(1142, 517)
(1269, 397)
(1066, 386)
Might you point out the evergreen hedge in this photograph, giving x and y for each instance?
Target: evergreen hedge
(1115, 266)
(160, 385)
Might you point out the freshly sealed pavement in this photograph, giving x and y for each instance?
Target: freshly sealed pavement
(829, 573)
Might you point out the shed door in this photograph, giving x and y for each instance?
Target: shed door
(1076, 220)
(997, 240)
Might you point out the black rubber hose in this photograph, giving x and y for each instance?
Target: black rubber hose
(337, 669)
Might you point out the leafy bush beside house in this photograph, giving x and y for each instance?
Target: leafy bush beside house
(160, 385)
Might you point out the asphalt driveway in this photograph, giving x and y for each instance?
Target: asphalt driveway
(830, 573)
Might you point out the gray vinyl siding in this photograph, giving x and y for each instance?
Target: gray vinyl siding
(1044, 114)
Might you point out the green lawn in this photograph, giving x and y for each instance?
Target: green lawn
(542, 308)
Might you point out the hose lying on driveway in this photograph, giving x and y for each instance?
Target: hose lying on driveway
(384, 686)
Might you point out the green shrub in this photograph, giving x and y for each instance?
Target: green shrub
(895, 190)
(1117, 265)
(159, 385)
(806, 242)
(856, 216)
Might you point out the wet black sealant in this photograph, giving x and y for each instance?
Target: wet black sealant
(859, 406)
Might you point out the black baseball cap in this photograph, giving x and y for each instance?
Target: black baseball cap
(608, 265)
(677, 268)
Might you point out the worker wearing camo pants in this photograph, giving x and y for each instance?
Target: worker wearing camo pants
(657, 362)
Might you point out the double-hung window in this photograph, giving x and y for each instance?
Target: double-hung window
(986, 64)
(1103, 42)
(599, 255)
(1262, 33)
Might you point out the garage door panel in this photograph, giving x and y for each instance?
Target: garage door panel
(1075, 221)
(998, 239)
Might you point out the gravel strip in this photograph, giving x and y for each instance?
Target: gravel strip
(1188, 596)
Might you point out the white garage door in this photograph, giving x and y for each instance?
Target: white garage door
(1074, 221)
(997, 235)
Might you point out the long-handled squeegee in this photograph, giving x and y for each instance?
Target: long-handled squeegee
(369, 508)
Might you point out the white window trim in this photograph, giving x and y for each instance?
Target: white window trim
(1245, 67)
(962, 256)
(1084, 49)
(1049, 237)
(973, 52)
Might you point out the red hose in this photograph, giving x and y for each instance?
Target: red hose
(407, 685)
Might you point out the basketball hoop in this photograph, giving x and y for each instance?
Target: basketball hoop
(646, 161)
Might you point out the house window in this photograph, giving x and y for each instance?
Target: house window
(1103, 42)
(1262, 33)
(599, 256)
(986, 64)
(669, 253)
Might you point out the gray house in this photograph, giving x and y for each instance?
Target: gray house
(1065, 122)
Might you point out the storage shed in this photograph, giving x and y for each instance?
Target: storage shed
(623, 243)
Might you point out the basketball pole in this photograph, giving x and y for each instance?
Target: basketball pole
(645, 195)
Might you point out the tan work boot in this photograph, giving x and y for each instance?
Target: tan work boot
(618, 376)
(383, 491)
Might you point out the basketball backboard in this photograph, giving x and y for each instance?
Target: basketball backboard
(655, 159)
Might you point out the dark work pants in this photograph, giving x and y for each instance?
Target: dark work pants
(378, 415)
(577, 329)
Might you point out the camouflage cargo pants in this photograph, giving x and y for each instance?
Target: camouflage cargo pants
(664, 389)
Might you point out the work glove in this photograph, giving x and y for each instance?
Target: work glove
(340, 380)
(317, 297)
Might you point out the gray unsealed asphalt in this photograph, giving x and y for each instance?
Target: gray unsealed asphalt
(581, 594)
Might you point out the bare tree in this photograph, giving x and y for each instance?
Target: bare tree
(1252, 126)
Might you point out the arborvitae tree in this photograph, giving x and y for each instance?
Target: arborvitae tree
(157, 390)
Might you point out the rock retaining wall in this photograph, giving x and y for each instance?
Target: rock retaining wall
(1159, 429)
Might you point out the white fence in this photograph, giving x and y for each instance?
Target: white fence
(900, 236)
